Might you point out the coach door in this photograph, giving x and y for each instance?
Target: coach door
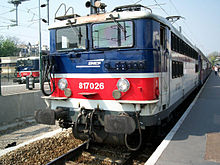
(165, 69)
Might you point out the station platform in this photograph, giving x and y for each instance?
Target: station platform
(196, 140)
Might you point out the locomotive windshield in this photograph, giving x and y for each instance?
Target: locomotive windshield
(113, 34)
(25, 62)
(71, 38)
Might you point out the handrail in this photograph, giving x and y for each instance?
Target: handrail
(65, 16)
(62, 4)
(69, 9)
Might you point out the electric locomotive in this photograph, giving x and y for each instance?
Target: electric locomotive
(26, 67)
(113, 74)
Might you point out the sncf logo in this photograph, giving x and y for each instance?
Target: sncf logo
(94, 63)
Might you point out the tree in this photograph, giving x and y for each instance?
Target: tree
(8, 46)
(213, 57)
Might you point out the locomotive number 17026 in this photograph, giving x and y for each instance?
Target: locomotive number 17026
(89, 85)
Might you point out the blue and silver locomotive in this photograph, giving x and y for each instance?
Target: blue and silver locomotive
(114, 74)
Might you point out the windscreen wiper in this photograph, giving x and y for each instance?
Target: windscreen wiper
(76, 31)
(119, 25)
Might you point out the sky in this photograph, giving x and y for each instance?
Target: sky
(200, 23)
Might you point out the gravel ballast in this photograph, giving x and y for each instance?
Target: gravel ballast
(41, 151)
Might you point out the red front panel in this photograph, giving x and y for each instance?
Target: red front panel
(25, 74)
(141, 89)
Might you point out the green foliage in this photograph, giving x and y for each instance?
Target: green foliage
(213, 57)
(8, 47)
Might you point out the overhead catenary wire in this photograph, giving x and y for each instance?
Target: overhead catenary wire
(4, 26)
(174, 6)
(6, 7)
(4, 22)
(7, 27)
(27, 10)
(21, 10)
(6, 12)
(194, 40)
(17, 35)
(161, 8)
(138, 2)
(5, 18)
(176, 22)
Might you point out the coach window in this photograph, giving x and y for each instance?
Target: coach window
(187, 50)
(173, 69)
(184, 48)
(177, 69)
(176, 43)
(196, 68)
(163, 46)
(172, 41)
(181, 47)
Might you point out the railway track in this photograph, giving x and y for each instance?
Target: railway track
(97, 154)
(71, 155)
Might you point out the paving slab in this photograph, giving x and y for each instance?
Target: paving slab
(197, 139)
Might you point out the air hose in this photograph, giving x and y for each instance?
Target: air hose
(47, 76)
(77, 120)
(91, 124)
(140, 137)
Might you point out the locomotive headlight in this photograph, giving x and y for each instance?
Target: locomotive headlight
(62, 84)
(67, 92)
(116, 94)
(123, 85)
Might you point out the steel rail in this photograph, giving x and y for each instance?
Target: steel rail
(70, 155)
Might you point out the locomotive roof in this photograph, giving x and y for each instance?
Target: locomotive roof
(124, 15)
(104, 17)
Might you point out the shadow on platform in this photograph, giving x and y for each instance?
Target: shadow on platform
(204, 117)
